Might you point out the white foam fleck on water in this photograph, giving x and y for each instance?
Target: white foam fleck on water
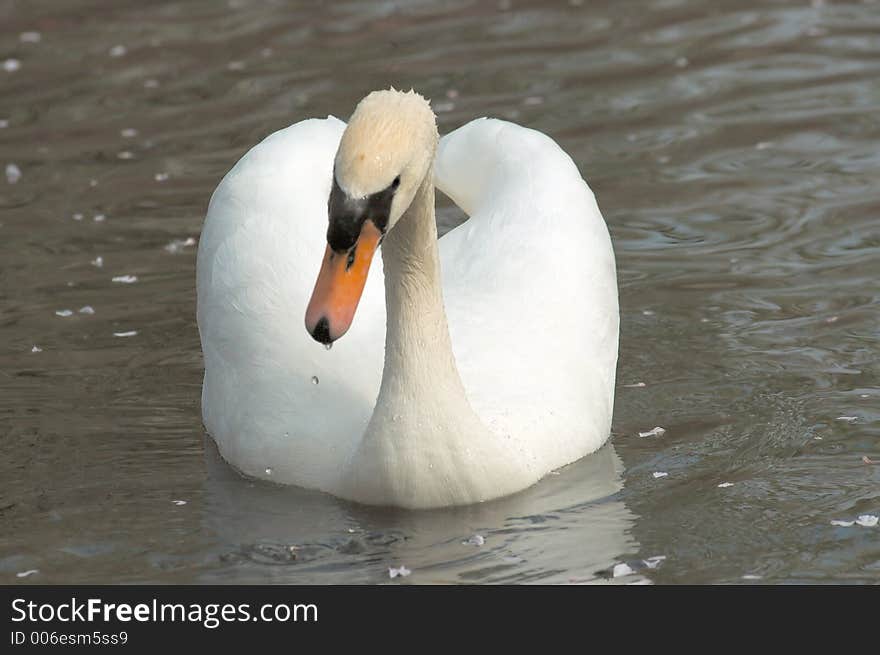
(401, 571)
(752, 576)
(128, 133)
(98, 261)
(682, 62)
(11, 65)
(99, 218)
(868, 520)
(842, 524)
(4, 123)
(27, 574)
(126, 279)
(724, 485)
(476, 540)
(660, 474)
(151, 84)
(655, 561)
(179, 244)
(13, 173)
(637, 385)
(87, 309)
(30, 37)
(235, 66)
(442, 107)
(125, 154)
(64, 313)
(36, 349)
(848, 419)
(621, 570)
(533, 101)
(118, 51)
(130, 333)
(179, 502)
(161, 177)
(763, 145)
(654, 432)
(268, 470)
(77, 216)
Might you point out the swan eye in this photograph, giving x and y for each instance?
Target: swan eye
(395, 183)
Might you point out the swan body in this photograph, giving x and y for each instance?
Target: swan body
(475, 364)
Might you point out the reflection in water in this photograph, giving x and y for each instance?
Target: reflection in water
(569, 527)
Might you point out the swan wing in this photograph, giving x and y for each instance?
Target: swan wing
(269, 388)
(530, 289)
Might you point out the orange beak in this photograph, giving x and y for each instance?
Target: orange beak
(340, 285)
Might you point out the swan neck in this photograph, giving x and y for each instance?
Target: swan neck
(418, 349)
(410, 254)
(424, 445)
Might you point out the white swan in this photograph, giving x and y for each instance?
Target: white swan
(501, 341)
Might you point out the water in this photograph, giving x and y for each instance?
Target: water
(733, 147)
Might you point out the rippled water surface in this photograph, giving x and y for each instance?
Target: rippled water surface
(734, 147)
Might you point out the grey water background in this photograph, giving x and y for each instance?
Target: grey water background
(734, 147)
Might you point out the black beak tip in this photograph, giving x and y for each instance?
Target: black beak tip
(321, 333)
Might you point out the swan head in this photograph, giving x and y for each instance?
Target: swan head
(384, 156)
